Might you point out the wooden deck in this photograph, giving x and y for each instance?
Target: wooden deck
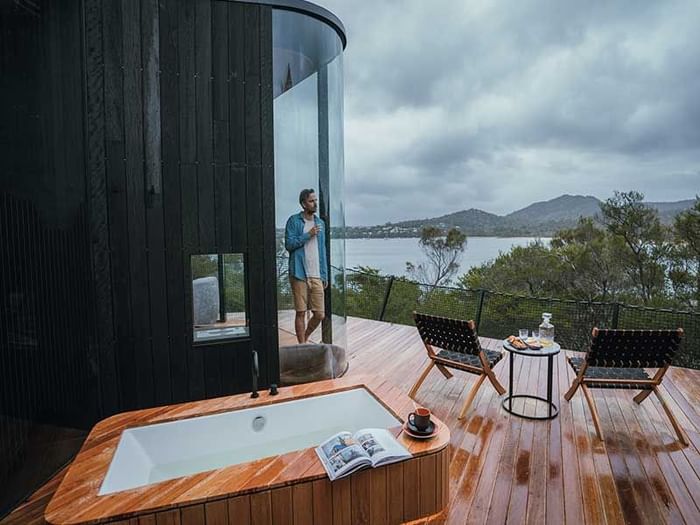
(506, 469)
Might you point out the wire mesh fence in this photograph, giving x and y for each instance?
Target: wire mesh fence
(393, 299)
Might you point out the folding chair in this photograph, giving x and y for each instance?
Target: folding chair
(459, 348)
(618, 358)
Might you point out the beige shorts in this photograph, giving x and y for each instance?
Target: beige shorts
(308, 295)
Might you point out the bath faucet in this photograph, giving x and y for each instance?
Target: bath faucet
(256, 372)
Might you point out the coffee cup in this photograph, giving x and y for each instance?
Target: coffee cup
(420, 418)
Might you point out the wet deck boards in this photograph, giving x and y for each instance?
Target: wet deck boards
(509, 469)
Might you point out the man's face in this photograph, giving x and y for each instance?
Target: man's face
(310, 204)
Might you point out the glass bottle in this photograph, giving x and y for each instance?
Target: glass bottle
(546, 330)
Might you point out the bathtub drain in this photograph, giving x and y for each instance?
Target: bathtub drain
(259, 423)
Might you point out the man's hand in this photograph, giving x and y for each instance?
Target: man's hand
(314, 231)
(325, 284)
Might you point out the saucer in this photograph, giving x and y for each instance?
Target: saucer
(412, 431)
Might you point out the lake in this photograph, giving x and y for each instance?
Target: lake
(390, 255)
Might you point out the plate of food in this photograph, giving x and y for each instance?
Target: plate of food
(517, 343)
(530, 343)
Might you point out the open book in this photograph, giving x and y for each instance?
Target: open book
(344, 453)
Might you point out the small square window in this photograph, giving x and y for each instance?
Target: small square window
(218, 297)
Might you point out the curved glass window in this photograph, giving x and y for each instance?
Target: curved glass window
(308, 123)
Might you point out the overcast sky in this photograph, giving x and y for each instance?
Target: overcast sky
(488, 104)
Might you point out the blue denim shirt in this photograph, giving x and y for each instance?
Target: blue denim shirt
(294, 239)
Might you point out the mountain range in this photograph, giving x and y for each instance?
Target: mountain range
(538, 219)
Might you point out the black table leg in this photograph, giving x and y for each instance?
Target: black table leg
(549, 384)
(510, 383)
(507, 403)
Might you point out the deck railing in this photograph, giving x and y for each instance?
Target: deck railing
(497, 315)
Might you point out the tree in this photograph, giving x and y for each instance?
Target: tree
(590, 258)
(442, 253)
(685, 261)
(529, 270)
(647, 250)
(203, 266)
(364, 292)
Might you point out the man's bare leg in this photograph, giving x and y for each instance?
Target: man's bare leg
(313, 324)
(299, 322)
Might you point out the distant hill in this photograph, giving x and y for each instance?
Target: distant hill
(538, 219)
(668, 210)
(466, 219)
(564, 208)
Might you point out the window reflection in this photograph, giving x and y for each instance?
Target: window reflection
(218, 297)
(308, 138)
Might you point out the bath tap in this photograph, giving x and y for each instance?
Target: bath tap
(256, 371)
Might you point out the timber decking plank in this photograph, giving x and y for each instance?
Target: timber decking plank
(239, 510)
(520, 492)
(282, 506)
(216, 512)
(261, 508)
(534, 511)
(554, 494)
(584, 433)
(666, 505)
(616, 479)
(360, 507)
(394, 492)
(573, 499)
(341, 502)
(169, 517)
(193, 515)
(322, 501)
(302, 504)
(378, 495)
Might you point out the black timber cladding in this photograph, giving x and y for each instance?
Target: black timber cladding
(156, 144)
(186, 132)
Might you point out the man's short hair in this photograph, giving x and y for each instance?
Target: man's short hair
(304, 194)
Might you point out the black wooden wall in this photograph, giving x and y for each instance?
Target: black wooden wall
(179, 119)
(135, 133)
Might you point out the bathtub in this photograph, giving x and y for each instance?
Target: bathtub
(254, 459)
(154, 453)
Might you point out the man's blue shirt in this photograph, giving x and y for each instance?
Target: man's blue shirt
(294, 239)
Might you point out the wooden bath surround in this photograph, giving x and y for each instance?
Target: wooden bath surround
(290, 488)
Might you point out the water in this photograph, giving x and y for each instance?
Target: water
(390, 255)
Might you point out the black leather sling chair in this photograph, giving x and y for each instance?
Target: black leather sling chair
(618, 359)
(459, 348)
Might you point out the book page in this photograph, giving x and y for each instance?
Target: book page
(341, 455)
(381, 446)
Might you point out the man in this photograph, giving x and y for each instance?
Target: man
(305, 240)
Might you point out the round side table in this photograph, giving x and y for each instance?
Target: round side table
(547, 351)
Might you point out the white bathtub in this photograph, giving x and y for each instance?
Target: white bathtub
(162, 451)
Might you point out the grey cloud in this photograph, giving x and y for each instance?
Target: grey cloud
(492, 103)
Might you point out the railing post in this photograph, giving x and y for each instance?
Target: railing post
(386, 297)
(222, 287)
(479, 307)
(616, 315)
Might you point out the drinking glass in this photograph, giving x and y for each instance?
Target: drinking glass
(536, 334)
(523, 333)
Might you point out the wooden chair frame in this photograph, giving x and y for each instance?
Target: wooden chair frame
(581, 381)
(442, 364)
